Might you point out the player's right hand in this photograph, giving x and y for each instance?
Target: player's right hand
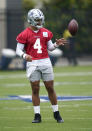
(28, 58)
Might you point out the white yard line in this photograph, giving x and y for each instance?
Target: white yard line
(17, 127)
(75, 105)
(74, 74)
(79, 118)
(14, 118)
(66, 118)
(44, 108)
(14, 76)
(10, 85)
(84, 129)
(31, 127)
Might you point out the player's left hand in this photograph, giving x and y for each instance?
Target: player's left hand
(61, 41)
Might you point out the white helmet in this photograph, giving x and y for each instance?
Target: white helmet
(33, 16)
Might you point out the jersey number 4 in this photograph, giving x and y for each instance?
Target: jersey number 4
(37, 45)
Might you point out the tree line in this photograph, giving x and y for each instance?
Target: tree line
(58, 13)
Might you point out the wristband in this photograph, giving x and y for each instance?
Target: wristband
(55, 45)
(24, 56)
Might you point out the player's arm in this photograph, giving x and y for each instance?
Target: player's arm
(58, 42)
(51, 46)
(20, 52)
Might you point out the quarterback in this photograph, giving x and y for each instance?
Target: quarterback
(32, 45)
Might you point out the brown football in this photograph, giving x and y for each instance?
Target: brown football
(73, 27)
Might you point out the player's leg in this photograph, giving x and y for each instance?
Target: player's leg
(35, 84)
(51, 92)
(36, 101)
(53, 100)
(35, 93)
(47, 76)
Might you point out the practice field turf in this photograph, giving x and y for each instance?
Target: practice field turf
(71, 84)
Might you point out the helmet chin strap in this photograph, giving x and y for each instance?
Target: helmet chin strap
(39, 26)
(36, 27)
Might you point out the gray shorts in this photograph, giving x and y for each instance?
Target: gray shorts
(42, 72)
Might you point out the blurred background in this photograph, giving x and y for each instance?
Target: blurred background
(58, 14)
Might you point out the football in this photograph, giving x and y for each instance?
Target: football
(73, 27)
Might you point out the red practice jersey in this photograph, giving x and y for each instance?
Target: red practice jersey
(35, 43)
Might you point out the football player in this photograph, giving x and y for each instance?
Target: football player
(32, 45)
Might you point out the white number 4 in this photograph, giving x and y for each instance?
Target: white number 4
(37, 45)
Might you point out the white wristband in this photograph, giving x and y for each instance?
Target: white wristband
(24, 56)
(55, 45)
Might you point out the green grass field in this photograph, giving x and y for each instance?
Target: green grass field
(17, 115)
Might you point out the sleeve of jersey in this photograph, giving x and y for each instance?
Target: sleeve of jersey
(50, 35)
(22, 38)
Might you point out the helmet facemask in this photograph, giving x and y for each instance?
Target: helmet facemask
(36, 18)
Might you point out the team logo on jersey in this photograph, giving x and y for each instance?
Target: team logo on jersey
(45, 34)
